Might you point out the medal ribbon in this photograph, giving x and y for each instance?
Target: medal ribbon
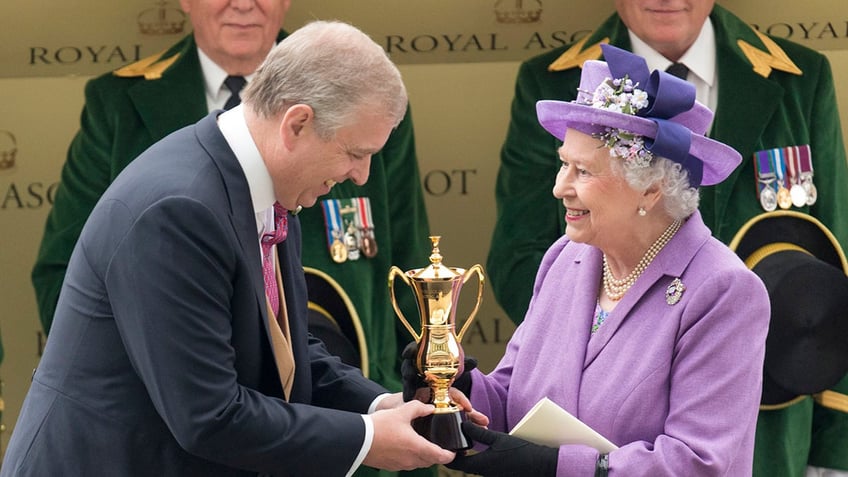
(352, 236)
(359, 216)
(365, 212)
(777, 160)
(764, 170)
(332, 220)
(805, 163)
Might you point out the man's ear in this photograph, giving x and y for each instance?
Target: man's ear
(295, 123)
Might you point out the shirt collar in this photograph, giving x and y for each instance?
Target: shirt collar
(234, 128)
(213, 82)
(700, 58)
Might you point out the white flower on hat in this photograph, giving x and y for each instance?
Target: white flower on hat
(621, 95)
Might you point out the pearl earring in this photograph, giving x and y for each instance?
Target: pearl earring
(642, 212)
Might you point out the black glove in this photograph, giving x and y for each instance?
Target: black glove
(506, 455)
(412, 381)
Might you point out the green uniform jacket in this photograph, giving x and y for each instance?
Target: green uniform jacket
(123, 116)
(753, 113)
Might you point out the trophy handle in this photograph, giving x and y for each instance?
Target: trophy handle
(479, 270)
(397, 272)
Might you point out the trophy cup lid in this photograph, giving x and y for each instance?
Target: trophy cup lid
(436, 270)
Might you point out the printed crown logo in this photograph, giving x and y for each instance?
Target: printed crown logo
(8, 150)
(518, 11)
(161, 20)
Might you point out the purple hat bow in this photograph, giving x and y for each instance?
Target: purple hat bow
(668, 96)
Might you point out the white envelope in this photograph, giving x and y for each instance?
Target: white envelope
(550, 425)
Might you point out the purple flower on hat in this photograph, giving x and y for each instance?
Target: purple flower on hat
(621, 95)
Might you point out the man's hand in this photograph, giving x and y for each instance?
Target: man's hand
(396, 445)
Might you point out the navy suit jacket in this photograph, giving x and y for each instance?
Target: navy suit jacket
(159, 361)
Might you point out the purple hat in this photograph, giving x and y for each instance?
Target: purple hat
(639, 114)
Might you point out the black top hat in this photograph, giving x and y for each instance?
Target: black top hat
(333, 319)
(804, 270)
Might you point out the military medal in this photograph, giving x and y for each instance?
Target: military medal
(348, 212)
(805, 171)
(366, 227)
(765, 181)
(784, 200)
(333, 226)
(796, 191)
(768, 199)
(338, 250)
(810, 188)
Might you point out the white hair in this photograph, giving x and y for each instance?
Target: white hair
(681, 199)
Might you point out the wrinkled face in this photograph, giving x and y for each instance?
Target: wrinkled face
(319, 164)
(668, 26)
(599, 204)
(236, 30)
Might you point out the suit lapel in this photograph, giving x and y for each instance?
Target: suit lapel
(241, 211)
(574, 308)
(242, 217)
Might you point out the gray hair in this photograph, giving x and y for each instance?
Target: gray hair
(681, 199)
(334, 68)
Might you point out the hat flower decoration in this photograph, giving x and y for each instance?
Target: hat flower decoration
(639, 114)
(623, 96)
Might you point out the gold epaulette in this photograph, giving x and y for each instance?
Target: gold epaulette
(151, 67)
(575, 56)
(765, 62)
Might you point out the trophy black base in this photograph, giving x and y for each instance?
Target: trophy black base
(443, 429)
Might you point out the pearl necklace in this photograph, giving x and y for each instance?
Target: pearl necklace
(614, 288)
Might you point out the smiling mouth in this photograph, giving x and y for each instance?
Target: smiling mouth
(576, 213)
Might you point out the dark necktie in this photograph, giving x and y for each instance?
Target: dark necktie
(678, 69)
(234, 84)
(281, 227)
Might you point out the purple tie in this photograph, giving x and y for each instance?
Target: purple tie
(281, 227)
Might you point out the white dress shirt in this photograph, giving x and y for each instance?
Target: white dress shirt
(700, 58)
(217, 93)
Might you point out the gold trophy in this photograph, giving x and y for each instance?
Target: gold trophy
(440, 358)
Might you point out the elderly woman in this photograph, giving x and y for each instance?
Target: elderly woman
(642, 325)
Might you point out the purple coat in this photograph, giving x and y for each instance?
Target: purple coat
(676, 387)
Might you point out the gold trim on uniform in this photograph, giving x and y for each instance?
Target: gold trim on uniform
(832, 400)
(576, 56)
(764, 63)
(151, 67)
